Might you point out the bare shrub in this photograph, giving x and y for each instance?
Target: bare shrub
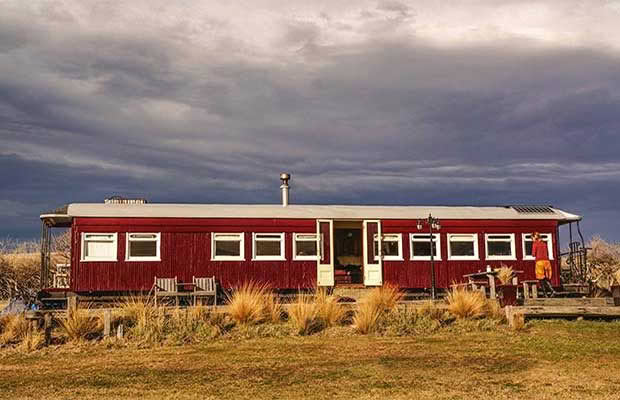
(433, 311)
(409, 321)
(466, 303)
(604, 263)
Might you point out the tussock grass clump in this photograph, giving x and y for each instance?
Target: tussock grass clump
(329, 309)
(272, 308)
(466, 304)
(366, 318)
(246, 305)
(432, 310)
(14, 329)
(374, 306)
(80, 324)
(505, 274)
(32, 341)
(304, 316)
(385, 298)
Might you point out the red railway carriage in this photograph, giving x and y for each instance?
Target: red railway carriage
(123, 247)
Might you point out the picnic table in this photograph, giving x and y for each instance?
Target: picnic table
(490, 276)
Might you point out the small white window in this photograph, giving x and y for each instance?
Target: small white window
(462, 246)
(421, 246)
(143, 247)
(99, 247)
(527, 245)
(305, 246)
(500, 246)
(391, 247)
(268, 246)
(227, 247)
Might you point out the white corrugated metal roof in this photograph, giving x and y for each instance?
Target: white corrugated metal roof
(306, 211)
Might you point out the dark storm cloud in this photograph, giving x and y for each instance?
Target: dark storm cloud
(366, 108)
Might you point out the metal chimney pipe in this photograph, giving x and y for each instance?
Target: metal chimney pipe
(284, 178)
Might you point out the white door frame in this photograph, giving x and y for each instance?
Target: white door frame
(324, 271)
(373, 272)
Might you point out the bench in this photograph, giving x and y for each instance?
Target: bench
(530, 287)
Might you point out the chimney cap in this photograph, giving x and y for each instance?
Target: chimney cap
(284, 176)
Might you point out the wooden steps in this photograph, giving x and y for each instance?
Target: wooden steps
(565, 311)
(574, 301)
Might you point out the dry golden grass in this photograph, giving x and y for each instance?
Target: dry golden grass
(464, 303)
(272, 308)
(246, 305)
(303, 316)
(505, 274)
(366, 317)
(80, 324)
(385, 298)
(433, 311)
(14, 330)
(494, 310)
(328, 308)
(550, 360)
(32, 341)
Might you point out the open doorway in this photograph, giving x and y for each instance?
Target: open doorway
(348, 250)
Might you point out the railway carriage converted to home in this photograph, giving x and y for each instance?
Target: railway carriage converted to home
(121, 246)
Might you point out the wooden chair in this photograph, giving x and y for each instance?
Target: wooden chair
(204, 287)
(166, 287)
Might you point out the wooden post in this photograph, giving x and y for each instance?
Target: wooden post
(47, 319)
(483, 290)
(526, 291)
(119, 331)
(534, 291)
(72, 302)
(107, 319)
(492, 286)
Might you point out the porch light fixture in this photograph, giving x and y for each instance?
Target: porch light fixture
(433, 224)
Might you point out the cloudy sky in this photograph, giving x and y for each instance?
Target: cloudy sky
(375, 102)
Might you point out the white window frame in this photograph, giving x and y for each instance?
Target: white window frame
(513, 257)
(306, 257)
(395, 237)
(240, 257)
(437, 240)
(548, 240)
(84, 258)
(129, 257)
(281, 257)
(474, 239)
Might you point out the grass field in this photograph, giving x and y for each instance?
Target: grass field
(551, 359)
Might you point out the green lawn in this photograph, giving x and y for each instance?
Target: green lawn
(551, 359)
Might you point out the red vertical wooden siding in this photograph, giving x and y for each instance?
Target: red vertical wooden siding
(417, 274)
(186, 252)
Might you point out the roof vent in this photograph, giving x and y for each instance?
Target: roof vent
(533, 209)
(284, 178)
(124, 200)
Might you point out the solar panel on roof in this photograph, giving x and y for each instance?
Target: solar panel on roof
(533, 209)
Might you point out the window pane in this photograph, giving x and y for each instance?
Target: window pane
(227, 248)
(95, 248)
(528, 247)
(390, 248)
(267, 248)
(143, 248)
(305, 248)
(499, 248)
(462, 248)
(421, 249)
